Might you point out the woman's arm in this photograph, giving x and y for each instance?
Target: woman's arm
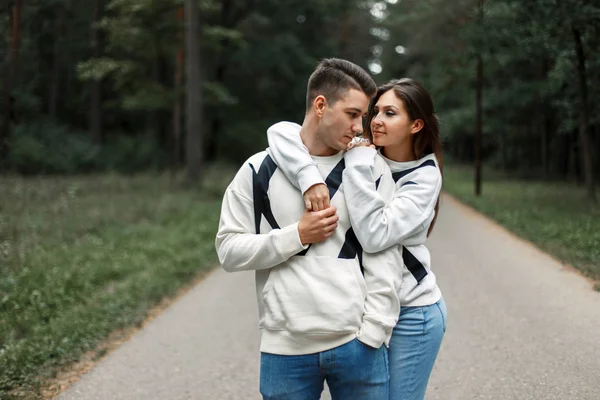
(290, 154)
(380, 224)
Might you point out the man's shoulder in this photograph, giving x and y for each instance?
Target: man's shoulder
(242, 182)
(256, 160)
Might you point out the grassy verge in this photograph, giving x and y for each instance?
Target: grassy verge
(83, 257)
(553, 215)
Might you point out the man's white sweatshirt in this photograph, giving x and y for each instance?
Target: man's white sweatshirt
(310, 298)
(379, 223)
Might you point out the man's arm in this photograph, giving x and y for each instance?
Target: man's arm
(290, 154)
(241, 248)
(383, 277)
(380, 224)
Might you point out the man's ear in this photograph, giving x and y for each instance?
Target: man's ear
(417, 126)
(319, 105)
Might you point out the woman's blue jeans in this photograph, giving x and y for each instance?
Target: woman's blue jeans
(414, 346)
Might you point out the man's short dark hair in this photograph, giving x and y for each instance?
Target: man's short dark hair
(333, 77)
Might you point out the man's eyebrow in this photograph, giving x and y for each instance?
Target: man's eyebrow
(354, 109)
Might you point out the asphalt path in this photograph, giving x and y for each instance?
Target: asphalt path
(520, 326)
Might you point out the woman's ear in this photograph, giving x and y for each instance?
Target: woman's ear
(417, 126)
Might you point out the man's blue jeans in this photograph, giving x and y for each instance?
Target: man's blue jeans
(354, 371)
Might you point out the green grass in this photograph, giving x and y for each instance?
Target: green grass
(555, 216)
(82, 257)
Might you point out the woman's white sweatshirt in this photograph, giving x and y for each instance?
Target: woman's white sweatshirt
(379, 223)
(310, 298)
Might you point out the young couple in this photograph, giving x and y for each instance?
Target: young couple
(336, 239)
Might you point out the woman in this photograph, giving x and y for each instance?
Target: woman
(401, 121)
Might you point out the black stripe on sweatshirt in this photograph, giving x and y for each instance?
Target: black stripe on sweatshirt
(260, 190)
(408, 183)
(400, 174)
(414, 266)
(333, 182)
(334, 179)
(352, 248)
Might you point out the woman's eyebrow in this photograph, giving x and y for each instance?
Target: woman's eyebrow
(387, 106)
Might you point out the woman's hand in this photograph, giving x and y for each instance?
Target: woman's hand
(359, 142)
(316, 198)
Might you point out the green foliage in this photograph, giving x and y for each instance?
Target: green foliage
(555, 216)
(129, 154)
(45, 147)
(82, 257)
(531, 92)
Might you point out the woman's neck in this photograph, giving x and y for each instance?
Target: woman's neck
(400, 153)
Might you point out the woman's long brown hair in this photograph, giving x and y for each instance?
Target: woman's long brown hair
(418, 105)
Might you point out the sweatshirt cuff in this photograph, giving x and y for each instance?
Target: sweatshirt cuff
(288, 241)
(309, 176)
(360, 156)
(373, 334)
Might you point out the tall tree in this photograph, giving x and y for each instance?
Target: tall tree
(479, 109)
(177, 112)
(194, 145)
(10, 76)
(584, 118)
(96, 84)
(57, 59)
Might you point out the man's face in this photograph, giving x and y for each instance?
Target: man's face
(344, 120)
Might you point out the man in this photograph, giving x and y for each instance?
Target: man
(325, 307)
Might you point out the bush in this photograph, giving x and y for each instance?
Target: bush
(45, 147)
(128, 154)
(48, 148)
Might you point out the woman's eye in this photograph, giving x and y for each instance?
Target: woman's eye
(390, 113)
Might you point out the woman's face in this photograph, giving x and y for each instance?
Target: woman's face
(391, 125)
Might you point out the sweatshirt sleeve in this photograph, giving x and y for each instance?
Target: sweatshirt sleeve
(290, 154)
(239, 247)
(382, 272)
(382, 224)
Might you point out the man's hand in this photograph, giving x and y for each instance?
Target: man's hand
(316, 198)
(314, 227)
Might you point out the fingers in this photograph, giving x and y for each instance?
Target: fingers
(331, 220)
(323, 204)
(308, 205)
(328, 212)
(330, 228)
(319, 206)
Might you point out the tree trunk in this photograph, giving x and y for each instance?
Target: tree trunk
(10, 76)
(96, 85)
(53, 97)
(176, 142)
(479, 113)
(194, 152)
(585, 145)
